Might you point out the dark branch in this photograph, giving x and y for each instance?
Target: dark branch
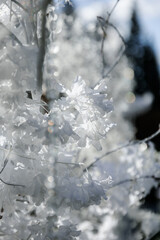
(5, 161)
(11, 34)
(4, 165)
(135, 179)
(104, 23)
(123, 146)
(118, 32)
(19, 155)
(112, 10)
(20, 5)
(120, 54)
(11, 184)
(42, 46)
(115, 63)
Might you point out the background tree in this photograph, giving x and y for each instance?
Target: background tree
(146, 78)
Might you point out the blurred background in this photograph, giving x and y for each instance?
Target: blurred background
(138, 22)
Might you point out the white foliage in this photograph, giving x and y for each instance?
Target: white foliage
(46, 190)
(80, 192)
(82, 114)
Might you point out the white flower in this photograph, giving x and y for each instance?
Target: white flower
(82, 115)
(80, 192)
(67, 232)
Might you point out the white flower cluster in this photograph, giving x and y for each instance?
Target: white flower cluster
(81, 115)
(66, 232)
(80, 192)
(30, 179)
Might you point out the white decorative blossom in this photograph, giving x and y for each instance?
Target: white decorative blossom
(80, 192)
(82, 115)
(46, 192)
(66, 232)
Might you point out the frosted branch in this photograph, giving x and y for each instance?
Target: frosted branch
(131, 143)
(12, 35)
(20, 5)
(135, 179)
(11, 184)
(5, 161)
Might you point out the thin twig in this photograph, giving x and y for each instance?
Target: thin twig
(22, 21)
(47, 111)
(115, 63)
(135, 179)
(118, 32)
(120, 54)
(67, 163)
(11, 34)
(22, 200)
(42, 46)
(29, 236)
(11, 184)
(124, 146)
(103, 27)
(104, 23)
(20, 5)
(4, 165)
(5, 161)
(10, 10)
(112, 10)
(19, 155)
(25, 30)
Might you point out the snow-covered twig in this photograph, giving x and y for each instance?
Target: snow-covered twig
(104, 23)
(135, 179)
(131, 143)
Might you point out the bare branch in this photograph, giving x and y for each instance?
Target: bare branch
(4, 165)
(17, 154)
(5, 161)
(115, 63)
(105, 154)
(112, 10)
(11, 34)
(20, 5)
(11, 184)
(42, 46)
(104, 25)
(29, 236)
(73, 164)
(118, 32)
(135, 179)
(10, 10)
(22, 20)
(120, 54)
(25, 30)
(124, 146)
